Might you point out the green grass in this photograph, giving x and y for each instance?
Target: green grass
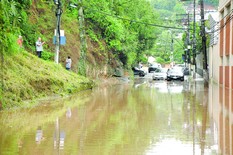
(27, 78)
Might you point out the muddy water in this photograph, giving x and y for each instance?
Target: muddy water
(143, 118)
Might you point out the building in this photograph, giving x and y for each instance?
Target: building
(221, 71)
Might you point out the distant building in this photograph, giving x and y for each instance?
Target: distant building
(151, 59)
(207, 10)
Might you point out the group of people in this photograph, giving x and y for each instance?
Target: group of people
(39, 50)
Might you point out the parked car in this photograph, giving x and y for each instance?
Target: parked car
(138, 71)
(175, 73)
(160, 74)
(186, 70)
(153, 67)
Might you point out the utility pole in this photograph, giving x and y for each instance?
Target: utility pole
(171, 56)
(83, 47)
(203, 39)
(188, 41)
(194, 34)
(57, 41)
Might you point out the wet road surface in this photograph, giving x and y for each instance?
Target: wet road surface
(143, 117)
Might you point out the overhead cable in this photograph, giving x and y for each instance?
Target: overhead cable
(135, 21)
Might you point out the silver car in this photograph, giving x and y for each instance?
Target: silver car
(175, 73)
(160, 74)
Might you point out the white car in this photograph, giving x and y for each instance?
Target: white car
(160, 74)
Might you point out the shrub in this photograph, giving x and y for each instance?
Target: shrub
(47, 55)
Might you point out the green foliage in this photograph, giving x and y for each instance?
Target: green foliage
(115, 20)
(131, 58)
(12, 17)
(160, 60)
(47, 55)
(92, 35)
(7, 18)
(82, 67)
(144, 59)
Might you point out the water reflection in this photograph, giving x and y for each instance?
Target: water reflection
(39, 135)
(147, 117)
(221, 113)
(68, 113)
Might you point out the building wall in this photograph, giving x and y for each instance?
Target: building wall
(223, 3)
(222, 66)
(225, 56)
(214, 63)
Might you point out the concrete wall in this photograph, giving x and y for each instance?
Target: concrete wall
(214, 63)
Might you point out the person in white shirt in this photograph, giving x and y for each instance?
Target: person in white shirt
(39, 47)
(68, 63)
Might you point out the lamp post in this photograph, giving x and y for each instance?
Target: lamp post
(171, 56)
(194, 34)
(57, 41)
(203, 40)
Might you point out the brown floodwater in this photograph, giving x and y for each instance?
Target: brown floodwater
(143, 117)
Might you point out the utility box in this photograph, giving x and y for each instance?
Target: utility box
(62, 37)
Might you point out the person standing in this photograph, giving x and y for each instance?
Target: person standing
(68, 63)
(20, 41)
(39, 47)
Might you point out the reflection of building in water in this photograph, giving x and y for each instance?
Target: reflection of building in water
(221, 108)
(39, 135)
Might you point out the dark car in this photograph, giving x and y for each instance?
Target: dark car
(153, 67)
(175, 73)
(138, 71)
(186, 70)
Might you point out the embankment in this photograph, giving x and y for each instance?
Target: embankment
(27, 78)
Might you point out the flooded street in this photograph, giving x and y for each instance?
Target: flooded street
(144, 117)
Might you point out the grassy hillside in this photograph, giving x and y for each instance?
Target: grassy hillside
(27, 77)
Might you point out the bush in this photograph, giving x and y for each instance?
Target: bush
(47, 55)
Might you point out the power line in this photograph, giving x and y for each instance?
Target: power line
(134, 21)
